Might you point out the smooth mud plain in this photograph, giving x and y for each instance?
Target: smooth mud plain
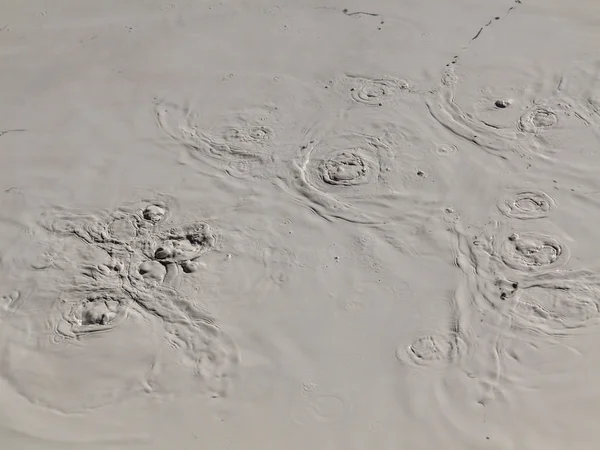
(250, 225)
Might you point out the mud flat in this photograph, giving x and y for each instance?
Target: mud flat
(239, 225)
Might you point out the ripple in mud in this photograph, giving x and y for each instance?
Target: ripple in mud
(445, 150)
(77, 373)
(557, 311)
(131, 283)
(110, 230)
(558, 304)
(10, 303)
(161, 256)
(91, 312)
(531, 251)
(242, 134)
(207, 354)
(537, 298)
(154, 213)
(185, 243)
(128, 233)
(147, 275)
(242, 142)
(116, 230)
(434, 351)
(339, 167)
(210, 356)
(123, 229)
(319, 408)
(581, 85)
(539, 117)
(496, 251)
(238, 140)
(506, 288)
(152, 270)
(533, 303)
(525, 205)
(345, 169)
(372, 91)
(361, 171)
(107, 345)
